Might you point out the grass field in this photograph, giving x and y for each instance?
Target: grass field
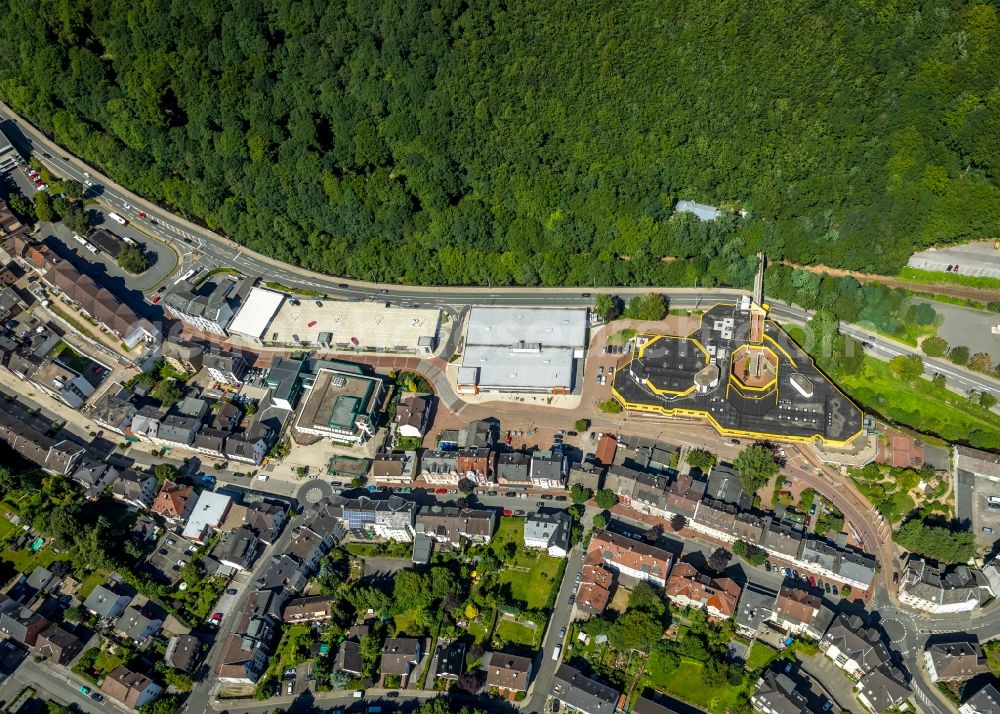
(534, 574)
(761, 655)
(922, 405)
(687, 683)
(519, 634)
(933, 276)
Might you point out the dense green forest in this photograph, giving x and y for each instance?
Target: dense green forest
(532, 143)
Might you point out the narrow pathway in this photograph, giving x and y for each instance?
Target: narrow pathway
(959, 291)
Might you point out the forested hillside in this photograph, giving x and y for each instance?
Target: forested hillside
(532, 142)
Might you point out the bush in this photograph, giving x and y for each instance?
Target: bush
(133, 259)
(582, 425)
(934, 346)
(959, 355)
(610, 406)
(701, 458)
(580, 494)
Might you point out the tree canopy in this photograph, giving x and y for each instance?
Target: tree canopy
(756, 466)
(430, 142)
(936, 539)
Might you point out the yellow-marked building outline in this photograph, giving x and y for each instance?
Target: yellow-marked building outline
(743, 376)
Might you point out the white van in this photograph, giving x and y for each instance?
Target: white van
(556, 651)
(117, 219)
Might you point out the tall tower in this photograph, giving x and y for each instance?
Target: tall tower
(758, 310)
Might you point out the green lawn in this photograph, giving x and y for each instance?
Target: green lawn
(922, 405)
(88, 584)
(932, 276)
(761, 655)
(25, 561)
(532, 586)
(519, 634)
(686, 683)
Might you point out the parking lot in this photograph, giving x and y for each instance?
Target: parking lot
(985, 518)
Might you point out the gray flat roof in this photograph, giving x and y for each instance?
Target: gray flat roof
(502, 367)
(550, 327)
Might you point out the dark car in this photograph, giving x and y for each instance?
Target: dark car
(511, 494)
(767, 565)
(560, 498)
(585, 294)
(231, 591)
(97, 697)
(342, 285)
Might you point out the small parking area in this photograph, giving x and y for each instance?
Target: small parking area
(985, 515)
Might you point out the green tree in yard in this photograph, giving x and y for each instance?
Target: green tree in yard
(166, 704)
(756, 466)
(939, 380)
(935, 539)
(21, 206)
(959, 355)
(987, 400)
(607, 307)
(651, 306)
(646, 598)
(133, 259)
(371, 652)
(934, 346)
(606, 498)
(582, 424)
(168, 391)
(600, 520)
(610, 406)
(981, 362)
(634, 630)
(164, 472)
(580, 493)
(43, 207)
(701, 458)
(76, 218)
(907, 367)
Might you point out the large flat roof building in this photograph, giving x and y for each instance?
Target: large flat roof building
(363, 326)
(766, 386)
(342, 406)
(522, 349)
(255, 315)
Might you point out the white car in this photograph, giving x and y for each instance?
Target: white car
(86, 174)
(127, 206)
(556, 651)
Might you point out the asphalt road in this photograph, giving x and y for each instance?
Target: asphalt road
(64, 687)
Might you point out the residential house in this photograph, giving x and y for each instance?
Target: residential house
(104, 602)
(607, 445)
(716, 519)
(94, 477)
(349, 658)
(451, 659)
(58, 645)
(882, 689)
(476, 434)
(182, 355)
(226, 367)
(174, 502)
(629, 557)
(724, 485)
(956, 660)
(146, 423)
(508, 673)
(250, 446)
(238, 549)
(985, 700)
(413, 413)
(243, 660)
(587, 474)
(654, 706)
(114, 412)
(264, 519)
(927, 586)
(549, 532)
(23, 625)
(450, 525)
(756, 607)
(138, 624)
(135, 489)
(854, 647)
(856, 569)
(208, 514)
(399, 657)
(308, 609)
(130, 688)
(684, 494)
(390, 518)
(202, 310)
(640, 491)
(475, 464)
(177, 430)
(782, 539)
(514, 469)
(183, 653)
(548, 469)
(687, 587)
(210, 442)
(594, 594)
(395, 467)
(777, 693)
(582, 694)
(800, 612)
(439, 468)
(749, 528)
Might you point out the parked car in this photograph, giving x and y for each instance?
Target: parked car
(812, 581)
(562, 632)
(508, 512)
(835, 591)
(767, 565)
(788, 572)
(231, 591)
(987, 529)
(560, 498)
(826, 586)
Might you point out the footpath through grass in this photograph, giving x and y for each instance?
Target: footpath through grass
(922, 405)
